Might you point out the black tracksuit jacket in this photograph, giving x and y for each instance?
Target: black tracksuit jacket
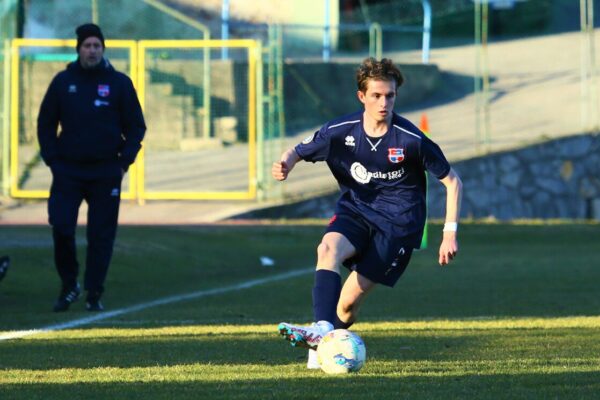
(101, 122)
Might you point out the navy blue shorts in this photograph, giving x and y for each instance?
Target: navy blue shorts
(379, 257)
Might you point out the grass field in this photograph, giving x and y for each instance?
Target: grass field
(517, 316)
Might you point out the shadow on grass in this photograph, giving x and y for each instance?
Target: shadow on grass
(493, 347)
(568, 385)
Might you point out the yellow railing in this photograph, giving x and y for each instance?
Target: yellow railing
(16, 46)
(137, 52)
(253, 54)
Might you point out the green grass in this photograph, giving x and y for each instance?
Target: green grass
(515, 317)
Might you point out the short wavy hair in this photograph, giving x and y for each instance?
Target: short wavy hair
(383, 70)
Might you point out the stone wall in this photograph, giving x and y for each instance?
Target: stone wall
(554, 179)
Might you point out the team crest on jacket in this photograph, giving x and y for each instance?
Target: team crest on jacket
(396, 154)
(103, 90)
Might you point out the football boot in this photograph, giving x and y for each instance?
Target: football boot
(307, 337)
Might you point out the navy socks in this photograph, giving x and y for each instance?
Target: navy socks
(326, 294)
(339, 324)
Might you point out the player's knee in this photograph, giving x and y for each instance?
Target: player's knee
(327, 252)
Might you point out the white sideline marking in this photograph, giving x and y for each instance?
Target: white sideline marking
(155, 303)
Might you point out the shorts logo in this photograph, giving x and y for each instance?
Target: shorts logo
(309, 138)
(395, 155)
(72, 88)
(350, 141)
(395, 262)
(114, 192)
(103, 90)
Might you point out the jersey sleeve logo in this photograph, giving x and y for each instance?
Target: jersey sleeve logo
(349, 141)
(103, 90)
(395, 155)
(309, 139)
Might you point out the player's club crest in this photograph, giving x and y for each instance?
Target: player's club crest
(395, 155)
(103, 90)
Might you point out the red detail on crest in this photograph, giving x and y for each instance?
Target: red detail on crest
(395, 155)
(103, 90)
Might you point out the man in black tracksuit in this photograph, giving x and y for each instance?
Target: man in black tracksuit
(101, 130)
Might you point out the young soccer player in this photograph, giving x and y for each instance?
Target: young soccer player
(379, 160)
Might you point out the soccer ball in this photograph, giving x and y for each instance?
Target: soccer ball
(341, 352)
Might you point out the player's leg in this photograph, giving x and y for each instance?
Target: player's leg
(103, 197)
(66, 196)
(331, 252)
(334, 249)
(353, 294)
(382, 262)
(347, 235)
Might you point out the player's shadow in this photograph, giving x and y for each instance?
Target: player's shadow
(410, 364)
(259, 348)
(214, 349)
(583, 384)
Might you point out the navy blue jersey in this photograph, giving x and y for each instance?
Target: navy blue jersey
(100, 119)
(382, 179)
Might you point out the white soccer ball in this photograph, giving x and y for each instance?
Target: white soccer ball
(341, 352)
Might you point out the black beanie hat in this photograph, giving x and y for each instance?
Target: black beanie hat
(88, 30)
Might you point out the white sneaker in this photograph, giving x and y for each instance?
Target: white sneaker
(313, 361)
(305, 336)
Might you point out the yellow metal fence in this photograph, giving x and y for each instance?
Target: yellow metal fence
(198, 164)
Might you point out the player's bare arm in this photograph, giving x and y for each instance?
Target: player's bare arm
(449, 246)
(281, 169)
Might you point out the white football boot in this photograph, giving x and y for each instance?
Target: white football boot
(308, 337)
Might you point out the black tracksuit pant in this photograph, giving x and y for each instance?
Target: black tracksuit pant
(103, 198)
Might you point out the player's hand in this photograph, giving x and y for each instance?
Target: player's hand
(448, 248)
(280, 170)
